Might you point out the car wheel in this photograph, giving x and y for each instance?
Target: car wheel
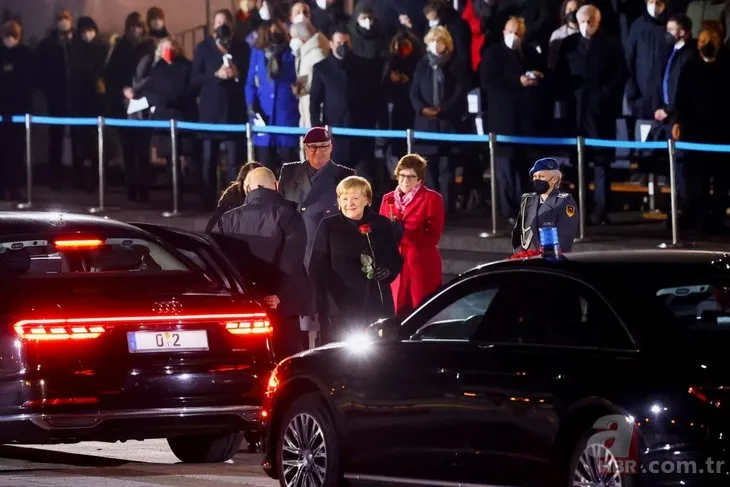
(594, 465)
(206, 449)
(307, 446)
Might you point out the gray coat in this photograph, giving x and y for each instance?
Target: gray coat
(559, 210)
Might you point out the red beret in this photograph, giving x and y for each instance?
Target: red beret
(317, 135)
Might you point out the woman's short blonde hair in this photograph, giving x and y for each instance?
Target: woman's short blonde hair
(412, 161)
(177, 49)
(440, 33)
(355, 182)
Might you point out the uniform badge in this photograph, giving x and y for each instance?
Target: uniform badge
(570, 210)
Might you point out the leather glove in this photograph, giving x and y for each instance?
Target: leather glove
(381, 273)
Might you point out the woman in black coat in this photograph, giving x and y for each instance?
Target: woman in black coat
(233, 197)
(354, 259)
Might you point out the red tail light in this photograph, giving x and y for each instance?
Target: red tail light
(69, 244)
(90, 328)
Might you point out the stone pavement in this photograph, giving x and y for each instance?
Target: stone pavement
(465, 243)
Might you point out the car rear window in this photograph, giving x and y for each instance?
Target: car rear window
(702, 306)
(47, 257)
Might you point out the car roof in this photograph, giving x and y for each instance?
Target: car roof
(56, 223)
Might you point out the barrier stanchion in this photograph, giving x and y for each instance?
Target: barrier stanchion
(28, 203)
(672, 148)
(175, 173)
(581, 147)
(493, 181)
(409, 141)
(249, 143)
(102, 175)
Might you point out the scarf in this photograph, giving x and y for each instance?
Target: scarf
(437, 63)
(403, 200)
(273, 61)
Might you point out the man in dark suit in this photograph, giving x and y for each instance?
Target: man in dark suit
(311, 184)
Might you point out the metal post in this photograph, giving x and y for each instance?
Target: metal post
(409, 141)
(175, 173)
(581, 146)
(249, 143)
(493, 179)
(102, 176)
(28, 204)
(671, 146)
(208, 20)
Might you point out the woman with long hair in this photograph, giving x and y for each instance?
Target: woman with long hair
(233, 196)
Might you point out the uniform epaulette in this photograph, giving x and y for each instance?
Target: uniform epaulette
(564, 195)
(529, 195)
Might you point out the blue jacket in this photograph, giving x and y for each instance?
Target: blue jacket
(273, 97)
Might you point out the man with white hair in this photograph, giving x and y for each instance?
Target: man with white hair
(309, 48)
(591, 76)
(547, 206)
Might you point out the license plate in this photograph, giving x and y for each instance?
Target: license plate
(167, 341)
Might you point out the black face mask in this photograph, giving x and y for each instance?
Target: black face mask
(277, 38)
(540, 186)
(708, 50)
(342, 51)
(670, 39)
(223, 34)
(571, 17)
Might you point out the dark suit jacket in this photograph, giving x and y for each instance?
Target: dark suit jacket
(315, 199)
(559, 210)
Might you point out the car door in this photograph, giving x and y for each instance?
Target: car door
(547, 342)
(403, 411)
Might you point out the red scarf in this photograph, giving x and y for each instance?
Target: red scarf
(403, 200)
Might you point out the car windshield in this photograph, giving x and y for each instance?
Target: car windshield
(701, 306)
(65, 257)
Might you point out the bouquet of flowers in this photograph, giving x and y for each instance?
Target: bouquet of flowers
(524, 254)
(368, 261)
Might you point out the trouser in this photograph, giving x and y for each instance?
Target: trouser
(700, 207)
(209, 167)
(440, 177)
(56, 135)
(288, 338)
(136, 155)
(274, 157)
(511, 172)
(12, 140)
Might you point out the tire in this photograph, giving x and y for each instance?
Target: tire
(206, 449)
(319, 460)
(584, 451)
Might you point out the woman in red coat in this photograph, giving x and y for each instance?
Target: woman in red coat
(420, 213)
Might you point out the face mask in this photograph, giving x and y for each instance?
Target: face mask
(322, 4)
(64, 25)
(157, 24)
(433, 48)
(651, 8)
(298, 18)
(295, 44)
(264, 12)
(679, 44)
(10, 42)
(433, 23)
(511, 40)
(223, 33)
(669, 38)
(708, 51)
(365, 23)
(405, 49)
(584, 30)
(88, 35)
(540, 186)
(138, 32)
(342, 51)
(277, 38)
(572, 17)
(167, 55)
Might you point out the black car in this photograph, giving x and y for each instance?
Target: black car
(117, 332)
(603, 369)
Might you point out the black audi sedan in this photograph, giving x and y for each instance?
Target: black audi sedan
(115, 332)
(604, 369)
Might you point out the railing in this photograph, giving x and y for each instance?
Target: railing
(579, 143)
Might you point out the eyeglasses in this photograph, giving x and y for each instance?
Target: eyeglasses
(315, 148)
(407, 177)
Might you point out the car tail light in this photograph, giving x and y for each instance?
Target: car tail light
(94, 327)
(70, 244)
(60, 401)
(701, 394)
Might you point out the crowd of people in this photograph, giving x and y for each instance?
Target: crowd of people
(543, 68)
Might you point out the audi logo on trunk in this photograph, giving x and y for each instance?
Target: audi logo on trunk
(167, 308)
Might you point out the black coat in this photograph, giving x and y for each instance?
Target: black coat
(316, 198)
(453, 105)
(276, 239)
(221, 101)
(87, 72)
(121, 71)
(682, 59)
(53, 65)
(590, 77)
(646, 54)
(513, 108)
(703, 101)
(17, 80)
(343, 293)
(397, 80)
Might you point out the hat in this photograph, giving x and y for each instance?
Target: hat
(545, 164)
(317, 135)
(86, 23)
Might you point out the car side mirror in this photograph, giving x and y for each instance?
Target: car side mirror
(387, 329)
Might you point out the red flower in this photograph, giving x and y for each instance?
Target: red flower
(365, 228)
(524, 254)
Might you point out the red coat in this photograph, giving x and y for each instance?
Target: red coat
(423, 224)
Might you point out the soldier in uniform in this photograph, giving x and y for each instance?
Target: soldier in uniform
(546, 206)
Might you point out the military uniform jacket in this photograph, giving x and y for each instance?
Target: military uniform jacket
(315, 198)
(558, 209)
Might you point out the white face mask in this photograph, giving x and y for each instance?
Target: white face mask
(433, 48)
(365, 23)
(295, 44)
(264, 12)
(583, 30)
(511, 40)
(651, 8)
(298, 18)
(433, 23)
(679, 44)
(322, 4)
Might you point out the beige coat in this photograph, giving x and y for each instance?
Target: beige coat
(312, 52)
